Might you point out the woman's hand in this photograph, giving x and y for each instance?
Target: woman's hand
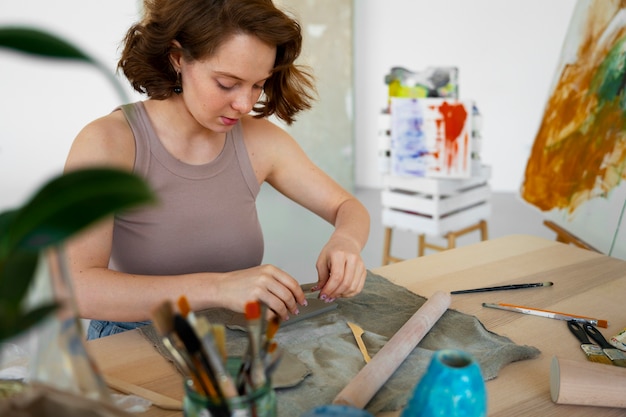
(275, 288)
(341, 270)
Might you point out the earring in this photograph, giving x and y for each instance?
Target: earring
(178, 88)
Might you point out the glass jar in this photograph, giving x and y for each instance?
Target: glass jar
(259, 403)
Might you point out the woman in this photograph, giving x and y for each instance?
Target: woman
(213, 71)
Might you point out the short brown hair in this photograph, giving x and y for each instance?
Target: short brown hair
(201, 26)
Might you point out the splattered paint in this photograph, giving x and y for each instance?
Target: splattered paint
(579, 152)
(576, 171)
(431, 137)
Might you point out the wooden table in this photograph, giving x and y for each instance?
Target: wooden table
(585, 283)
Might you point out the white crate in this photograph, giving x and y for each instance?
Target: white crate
(419, 224)
(435, 206)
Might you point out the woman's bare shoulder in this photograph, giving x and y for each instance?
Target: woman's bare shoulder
(107, 141)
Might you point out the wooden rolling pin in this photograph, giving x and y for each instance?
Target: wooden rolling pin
(362, 388)
(587, 383)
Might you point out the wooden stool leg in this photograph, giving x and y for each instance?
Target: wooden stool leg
(483, 230)
(387, 246)
(421, 244)
(451, 240)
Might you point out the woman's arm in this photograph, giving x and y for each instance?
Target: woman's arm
(280, 161)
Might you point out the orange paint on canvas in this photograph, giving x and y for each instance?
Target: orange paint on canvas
(579, 152)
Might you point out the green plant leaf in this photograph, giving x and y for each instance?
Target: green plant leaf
(14, 322)
(15, 276)
(38, 42)
(69, 203)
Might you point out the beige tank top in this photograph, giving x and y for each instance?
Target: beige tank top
(205, 219)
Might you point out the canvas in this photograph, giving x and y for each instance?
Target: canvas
(576, 170)
(431, 137)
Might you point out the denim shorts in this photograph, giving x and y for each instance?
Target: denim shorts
(100, 328)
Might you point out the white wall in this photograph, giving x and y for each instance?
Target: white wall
(506, 51)
(45, 103)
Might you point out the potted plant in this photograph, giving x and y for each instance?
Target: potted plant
(63, 206)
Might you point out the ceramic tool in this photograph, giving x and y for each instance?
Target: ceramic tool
(584, 383)
(504, 287)
(593, 352)
(357, 331)
(547, 313)
(617, 356)
(374, 374)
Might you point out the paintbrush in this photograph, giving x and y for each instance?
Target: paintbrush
(504, 287)
(593, 352)
(193, 345)
(218, 330)
(253, 319)
(270, 331)
(616, 356)
(547, 313)
(272, 358)
(163, 321)
(219, 333)
(225, 382)
(185, 310)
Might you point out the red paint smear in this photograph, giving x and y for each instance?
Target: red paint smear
(454, 118)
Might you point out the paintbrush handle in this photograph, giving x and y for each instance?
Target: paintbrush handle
(503, 287)
(546, 313)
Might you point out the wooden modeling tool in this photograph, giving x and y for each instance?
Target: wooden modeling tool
(593, 352)
(357, 332)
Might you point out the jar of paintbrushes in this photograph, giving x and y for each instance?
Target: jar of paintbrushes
(217, 385)
(258, 402)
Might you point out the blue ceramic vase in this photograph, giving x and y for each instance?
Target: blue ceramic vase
(453, 386)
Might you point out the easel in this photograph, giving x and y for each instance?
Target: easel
(422, 245)
(566, 237)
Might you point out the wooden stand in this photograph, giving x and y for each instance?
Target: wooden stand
(564, 236)
(422, 245)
